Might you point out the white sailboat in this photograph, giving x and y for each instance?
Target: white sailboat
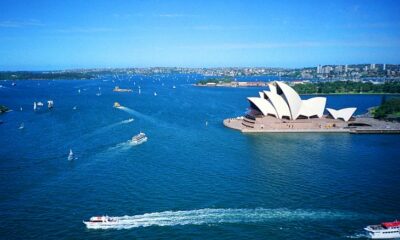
(50, 104)
(34, 106)
(70, 155)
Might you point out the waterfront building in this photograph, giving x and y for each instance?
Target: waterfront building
(283, 102)
(281, 109)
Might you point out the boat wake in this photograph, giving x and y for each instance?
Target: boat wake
(218, 216)
(359, 235)
(138, 114)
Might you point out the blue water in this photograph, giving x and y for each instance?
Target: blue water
(189, 180)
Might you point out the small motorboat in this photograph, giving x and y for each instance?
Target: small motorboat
(70, 155)
(386, 230)
(100, 222)
(155, 94)
(117, 105)
(21, 126)
(138, 139)
(74, 108)
(39, 104)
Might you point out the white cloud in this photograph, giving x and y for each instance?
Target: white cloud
(18, 24)
(304, 44)
(175, 15)
(85, 30)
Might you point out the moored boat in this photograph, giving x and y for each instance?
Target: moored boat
(386, 230)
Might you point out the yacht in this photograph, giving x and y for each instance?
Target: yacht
(386, 230)
(70, 155)
(139, 139)
(100, 222)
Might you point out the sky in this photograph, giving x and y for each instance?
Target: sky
(51, 35)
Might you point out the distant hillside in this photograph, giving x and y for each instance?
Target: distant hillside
(43, 75)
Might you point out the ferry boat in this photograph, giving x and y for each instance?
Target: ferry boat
(138, 139)
(386, 230)
(100, 222)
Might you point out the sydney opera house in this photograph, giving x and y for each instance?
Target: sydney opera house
(281, 109)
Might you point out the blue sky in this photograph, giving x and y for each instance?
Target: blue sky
(41, 35)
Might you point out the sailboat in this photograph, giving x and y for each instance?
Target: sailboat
(50, 104)
(34, 106)
(70, 155)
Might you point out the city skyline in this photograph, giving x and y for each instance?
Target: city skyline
(47, 35)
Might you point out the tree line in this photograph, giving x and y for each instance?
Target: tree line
(348, 87)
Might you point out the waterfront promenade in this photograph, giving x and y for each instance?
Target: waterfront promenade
(323, 125)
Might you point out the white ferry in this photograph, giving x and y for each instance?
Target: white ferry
(138, 139)
(100, 222)
(386, 230)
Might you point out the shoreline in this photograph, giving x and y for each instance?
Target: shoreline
(349, 93)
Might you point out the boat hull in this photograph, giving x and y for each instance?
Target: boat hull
(383, 234)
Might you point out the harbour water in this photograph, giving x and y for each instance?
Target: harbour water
(190, 180)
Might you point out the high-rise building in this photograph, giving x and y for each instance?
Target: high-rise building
(319, 69)
(384, 66)
(346, 68)
(372, 65)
